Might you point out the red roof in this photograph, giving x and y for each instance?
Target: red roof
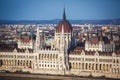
(117, 52)
(94, 40)
(26, 40)
(117, 41)
(80, 39)
(66, 25)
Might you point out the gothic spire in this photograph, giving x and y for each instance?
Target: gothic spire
(111, 36)
(87, 36)
(101, 36)
(64, 14)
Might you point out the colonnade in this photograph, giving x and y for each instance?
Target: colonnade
(48, 56)
(91, 66)
(16, 63)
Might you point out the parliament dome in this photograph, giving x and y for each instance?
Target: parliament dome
(65, 23)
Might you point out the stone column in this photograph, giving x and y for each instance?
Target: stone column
(7, 62)
(88, 66)
(81, 65)
(109, 68)
(25, 63)
(91, 66)
(105, 67)
(75, 65)
(101, 67)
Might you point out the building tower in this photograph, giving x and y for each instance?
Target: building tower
(63, 57)
(37, 39)
(67, 32)
(25, 40)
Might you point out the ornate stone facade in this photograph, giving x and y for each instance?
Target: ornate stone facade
(60, 59)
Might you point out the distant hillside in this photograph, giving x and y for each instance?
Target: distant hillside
(56, 21)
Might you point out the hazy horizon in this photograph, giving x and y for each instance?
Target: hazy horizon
(59, 19)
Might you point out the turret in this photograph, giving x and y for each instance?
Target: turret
(87, 37)
(37, 39)
(111, 36)
(62, 40)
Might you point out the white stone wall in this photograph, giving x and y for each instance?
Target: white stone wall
(48, 60)
(57, 39)
(95, 63)
(101, 46)
(24, 45)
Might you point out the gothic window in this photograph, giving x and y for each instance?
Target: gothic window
(82, 59)
(79, 65)
(114, 61)
(56, 56)
(100, 66)
(117, 61)
(86, 66)
(96, 60)
(39, 56)
(96, 66)
(82, 65)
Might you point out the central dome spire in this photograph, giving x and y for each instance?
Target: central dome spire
(64, 14)
(65, 24)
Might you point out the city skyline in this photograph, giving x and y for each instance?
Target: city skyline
(53, 9)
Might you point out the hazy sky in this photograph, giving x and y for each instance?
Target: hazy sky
(52, 9)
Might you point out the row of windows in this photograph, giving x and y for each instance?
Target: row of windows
(89, 59)
(46, 65)
(24, 44)
(6, 56)
(82, 59)
(31, 57)
(79, 59)
(90, 66)
(12, 56)
(48, 62)
(105, 60)
(20, 56)
(48, 55)
(92, 59)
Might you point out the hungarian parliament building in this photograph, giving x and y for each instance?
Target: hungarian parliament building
(97, 57)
